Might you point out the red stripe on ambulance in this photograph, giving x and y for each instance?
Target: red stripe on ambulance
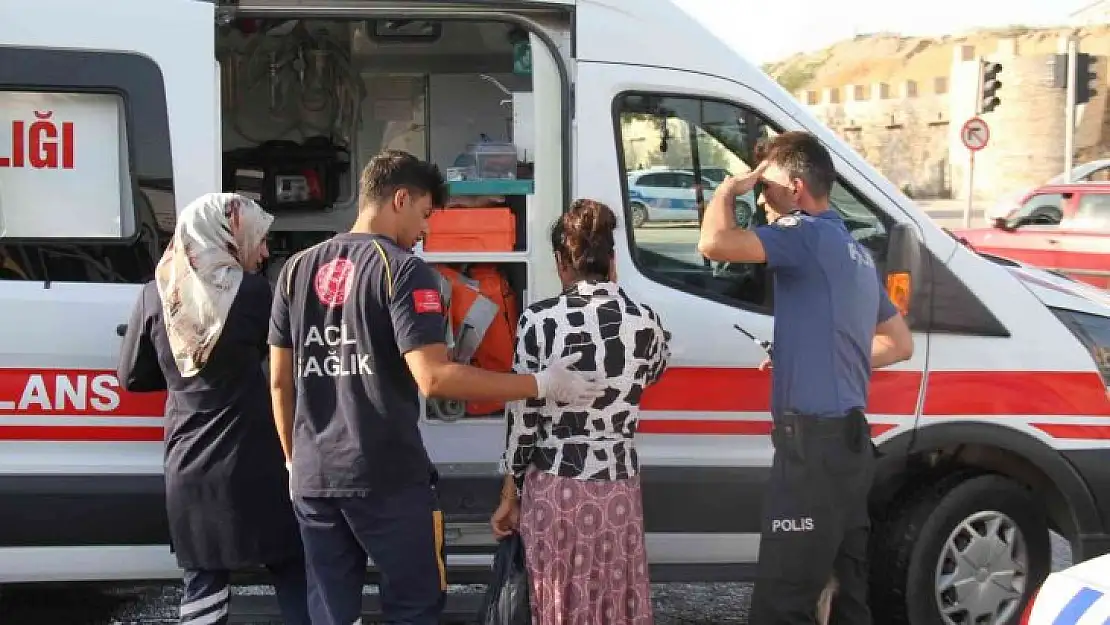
(46, 392)
(723, 427)
(73, 392)
(726, 389)
(1022, 393)
(950, 393)
(81, 433)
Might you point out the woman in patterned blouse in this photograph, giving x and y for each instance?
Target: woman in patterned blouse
(572, 486)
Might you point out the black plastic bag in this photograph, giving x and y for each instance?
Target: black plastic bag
(506, 601)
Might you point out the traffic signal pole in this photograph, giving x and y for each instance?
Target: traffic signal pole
(1069, 107)
(971, 153)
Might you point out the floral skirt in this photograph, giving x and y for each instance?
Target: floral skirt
(584, 548)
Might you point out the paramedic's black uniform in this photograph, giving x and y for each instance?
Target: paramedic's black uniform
(363, 484)
(828, 300)
(227, 494)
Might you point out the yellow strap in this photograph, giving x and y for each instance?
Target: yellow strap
(437, 525)
(292, 263)
(388, 272)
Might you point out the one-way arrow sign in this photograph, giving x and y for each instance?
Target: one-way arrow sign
(975, 134)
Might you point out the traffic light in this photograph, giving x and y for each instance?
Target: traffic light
(989, 100)
(1085, 77)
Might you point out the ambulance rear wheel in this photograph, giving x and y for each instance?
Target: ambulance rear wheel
(639, 215)
(965, 549)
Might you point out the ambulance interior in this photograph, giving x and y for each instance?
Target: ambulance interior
(305, 104)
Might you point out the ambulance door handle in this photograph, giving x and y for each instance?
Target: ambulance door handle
(1053, 241)
(121, 329)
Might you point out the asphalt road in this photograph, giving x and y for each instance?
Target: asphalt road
(675, 604)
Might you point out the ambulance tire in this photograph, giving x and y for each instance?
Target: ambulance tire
(907, 542)
(639, 214)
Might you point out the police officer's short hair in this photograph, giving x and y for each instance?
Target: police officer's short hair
(801, 155)
(392, 170)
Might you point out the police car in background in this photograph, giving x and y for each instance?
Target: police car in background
(1078, 595)
(665, 194)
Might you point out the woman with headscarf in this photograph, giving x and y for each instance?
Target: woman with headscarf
(199, 330)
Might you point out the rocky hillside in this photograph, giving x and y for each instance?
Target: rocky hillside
(884, 57)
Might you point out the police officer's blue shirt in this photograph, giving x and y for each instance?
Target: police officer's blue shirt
(828, 300)
(350, 308)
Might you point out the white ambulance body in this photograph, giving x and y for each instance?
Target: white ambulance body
(113, 116)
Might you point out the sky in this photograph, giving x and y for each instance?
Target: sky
(824, 22)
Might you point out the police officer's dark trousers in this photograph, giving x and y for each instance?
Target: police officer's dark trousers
(402, 532)
(206, 595)
(815, 521)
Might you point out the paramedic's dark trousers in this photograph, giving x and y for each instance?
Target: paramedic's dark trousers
(402, 532)
(815, 521)
(206, 596)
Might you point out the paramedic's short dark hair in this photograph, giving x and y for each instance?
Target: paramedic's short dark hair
(583, 238)
(392, 170)
(802, 156)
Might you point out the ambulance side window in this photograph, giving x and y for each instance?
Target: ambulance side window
(706, 140)
(86, 177)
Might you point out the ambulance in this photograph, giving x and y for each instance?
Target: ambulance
(114, 114)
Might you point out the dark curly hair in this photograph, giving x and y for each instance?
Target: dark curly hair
(583, 238)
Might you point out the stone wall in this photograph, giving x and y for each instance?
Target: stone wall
(912, 135)
(902, 129)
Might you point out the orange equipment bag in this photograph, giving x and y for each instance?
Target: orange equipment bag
(471, 230)
(482, 310)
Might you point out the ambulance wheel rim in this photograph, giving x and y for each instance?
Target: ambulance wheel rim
(981, 572)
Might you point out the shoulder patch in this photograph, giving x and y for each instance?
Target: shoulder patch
(426, 301)
(788, 221)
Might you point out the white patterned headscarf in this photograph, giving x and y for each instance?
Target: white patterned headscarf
(199, 275)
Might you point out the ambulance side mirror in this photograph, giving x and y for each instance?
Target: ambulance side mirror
(903, 267)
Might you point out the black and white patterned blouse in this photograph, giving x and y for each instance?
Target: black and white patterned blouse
(615, 335)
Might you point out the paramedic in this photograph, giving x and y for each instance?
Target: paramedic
(833, 324)
(199, 329)
(358, 328)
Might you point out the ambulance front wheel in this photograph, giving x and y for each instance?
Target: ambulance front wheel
(639, 214)
(964, 549)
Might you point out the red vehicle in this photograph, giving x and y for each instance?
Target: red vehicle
(1060, 227)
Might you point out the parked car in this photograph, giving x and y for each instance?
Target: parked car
(659, 194)
(1093, 171)
(1064, 228)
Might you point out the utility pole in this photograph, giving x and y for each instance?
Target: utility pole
(1069, 110)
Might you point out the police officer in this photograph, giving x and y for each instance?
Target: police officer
(357, 329)
(833, 324)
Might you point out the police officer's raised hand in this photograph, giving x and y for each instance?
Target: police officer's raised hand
(733, 185)
(559, 383)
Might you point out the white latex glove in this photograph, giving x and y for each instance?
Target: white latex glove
(559, 383)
